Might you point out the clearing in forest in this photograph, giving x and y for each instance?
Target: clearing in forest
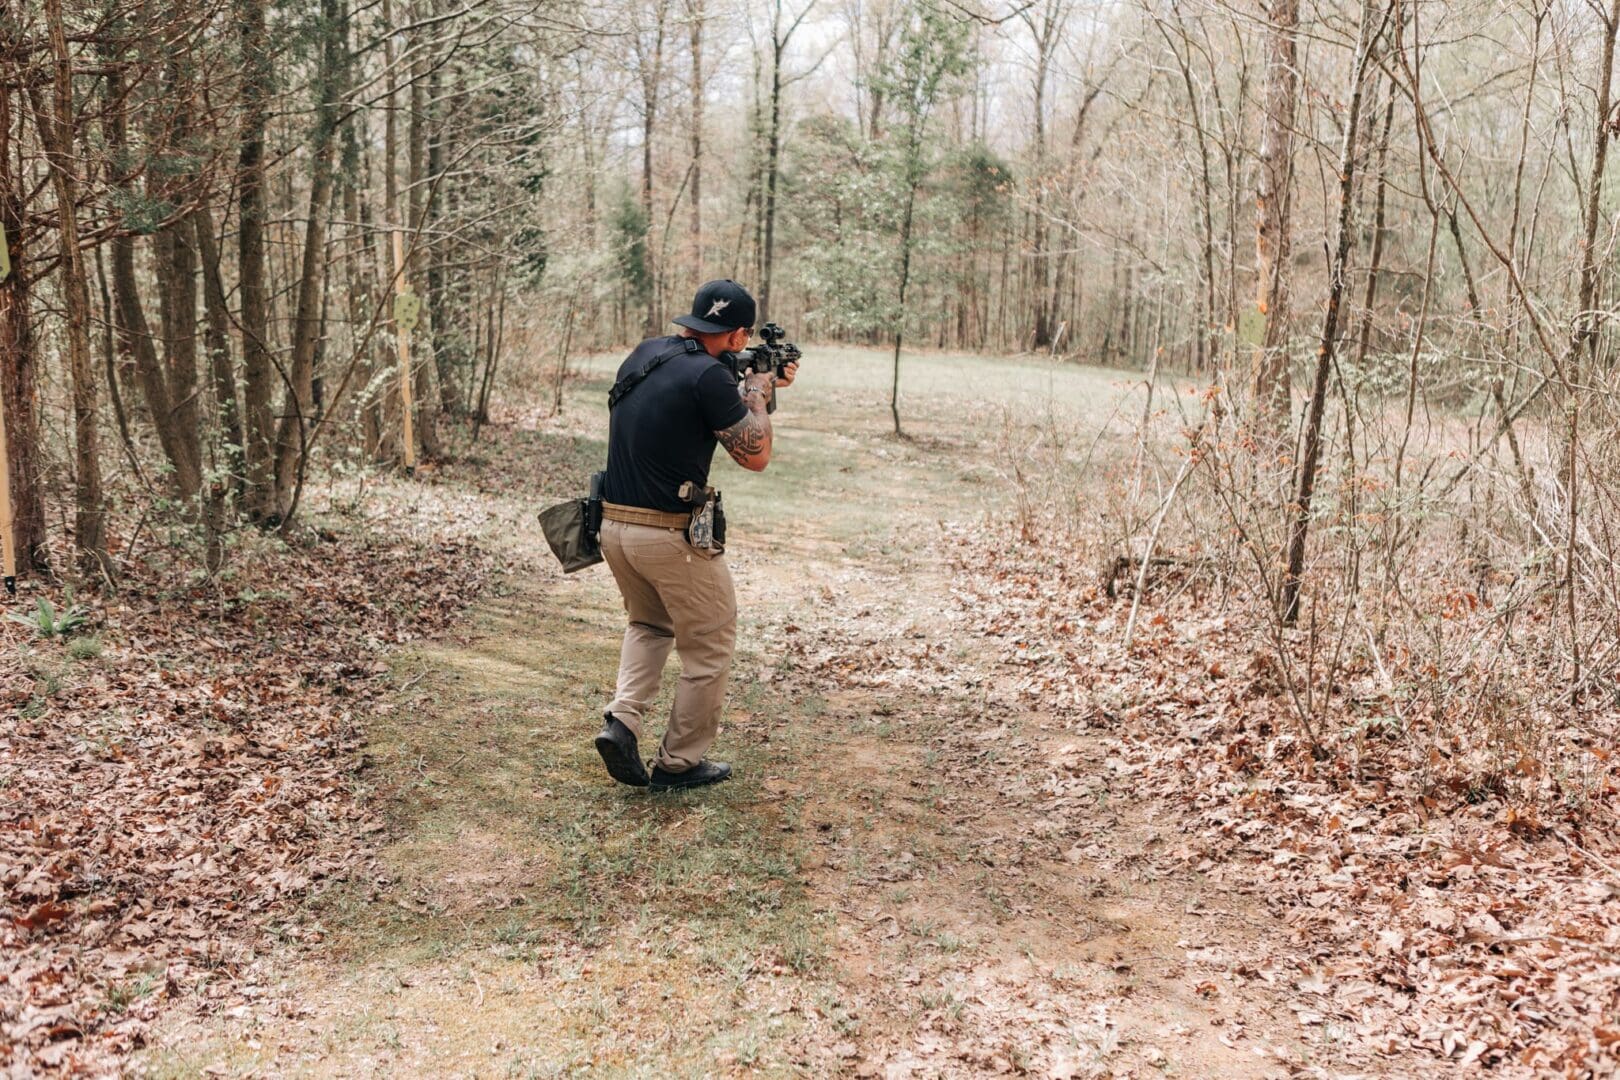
(918, 869)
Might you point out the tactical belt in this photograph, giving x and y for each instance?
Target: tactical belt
(639, 515)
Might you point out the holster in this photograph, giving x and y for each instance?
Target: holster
(706, 531)
(593, 508)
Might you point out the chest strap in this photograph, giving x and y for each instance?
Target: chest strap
(633, 380)
(640, 515)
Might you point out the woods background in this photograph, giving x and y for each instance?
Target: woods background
(1377, 235)
(1337, 575)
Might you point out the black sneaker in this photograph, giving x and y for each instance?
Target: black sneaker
(704, 772)
(617, 745)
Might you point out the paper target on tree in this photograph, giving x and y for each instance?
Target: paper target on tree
(407, 310)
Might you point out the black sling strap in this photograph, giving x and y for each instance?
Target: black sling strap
(633, 380)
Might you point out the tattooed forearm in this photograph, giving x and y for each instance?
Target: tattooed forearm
(747, 440)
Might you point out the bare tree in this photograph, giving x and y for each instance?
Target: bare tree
(1373, 21)
(781, 38)
(56, 127)
(1273, 222)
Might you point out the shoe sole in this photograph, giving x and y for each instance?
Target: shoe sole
(620, 766)
(683, 787)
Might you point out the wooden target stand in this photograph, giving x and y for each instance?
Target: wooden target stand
(8, 538)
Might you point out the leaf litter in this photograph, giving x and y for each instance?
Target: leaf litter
(164, 801)
(1411, 910)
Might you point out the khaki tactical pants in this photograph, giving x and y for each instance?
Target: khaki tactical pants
(675, 596)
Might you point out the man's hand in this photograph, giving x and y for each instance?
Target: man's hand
(758, 385)
(788, 372)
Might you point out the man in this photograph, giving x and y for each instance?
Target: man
(674, 400)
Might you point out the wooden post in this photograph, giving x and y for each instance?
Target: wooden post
(8, 536)
(406, 306)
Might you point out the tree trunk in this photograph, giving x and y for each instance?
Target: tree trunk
(177, 310)
(1273, 247)
(226, 431)
(380, 407)
(298, 403)
(1046, 35)
(258, 370)
(425, 410)
(694, 10)
(773, 152)
(900, 326)
(19, 372)
(390, 419)
(169, 128)
(1587, 319)
(167, 382)
(1305, 482)
(914, 176)
(1379, 233)
(1204, 341)
(650, 76)
(222, 374)
(448, 351)
(56, 132)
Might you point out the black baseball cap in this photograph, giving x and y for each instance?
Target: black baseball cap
(719, 307)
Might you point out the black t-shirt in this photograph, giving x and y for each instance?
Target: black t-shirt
(662, 432)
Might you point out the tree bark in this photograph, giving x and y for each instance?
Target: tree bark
(449, 353)
(217, 339)
(56, 132)
(258, 369)
(425, 411)
(1587, 320)
(1305, 484)
(773, 154)
(390, 419)
(1273, 236)
(170, 394)
(19, 371)
(900, 325)
(307, 317)
(651, 73)
(175, 248)
(694, 9)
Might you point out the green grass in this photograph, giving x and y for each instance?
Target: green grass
(84, 648)
(838, 474)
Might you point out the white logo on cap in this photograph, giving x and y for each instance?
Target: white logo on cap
(717, 308)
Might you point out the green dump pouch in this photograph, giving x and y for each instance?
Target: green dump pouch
(573, 529)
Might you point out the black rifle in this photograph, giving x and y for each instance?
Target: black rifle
(771, 354)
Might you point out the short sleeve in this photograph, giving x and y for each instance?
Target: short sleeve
(718, 399)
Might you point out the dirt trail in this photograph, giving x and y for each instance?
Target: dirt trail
(999, 904)
(910, 875)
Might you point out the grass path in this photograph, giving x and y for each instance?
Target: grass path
(907, 877)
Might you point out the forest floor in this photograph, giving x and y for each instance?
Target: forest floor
(917, 870)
